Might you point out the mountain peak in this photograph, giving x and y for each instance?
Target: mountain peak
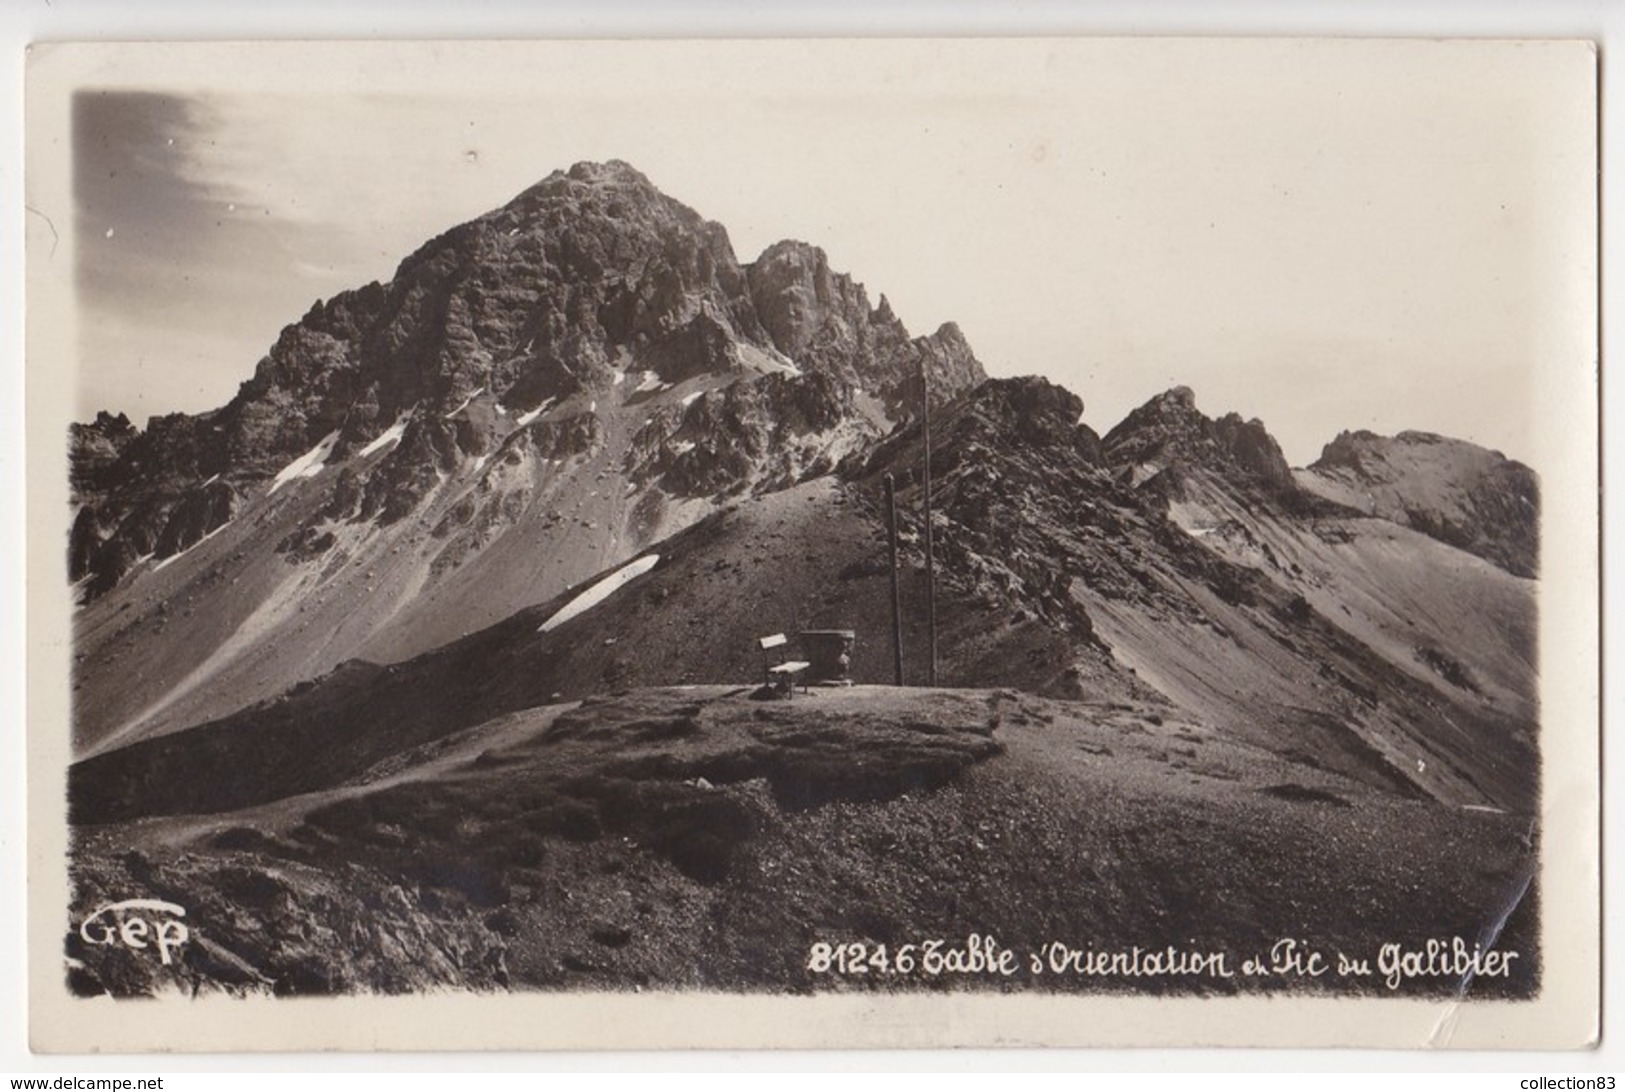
(823, 320)
(608, 173)
(1354, 449)
(617, 170)
(612, 193)
(1154, 424)
(554, 330)
(1169, 430)
(1033, 411)
(794, 252)
(1457, 492)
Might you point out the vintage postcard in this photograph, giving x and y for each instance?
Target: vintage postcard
(620, 544)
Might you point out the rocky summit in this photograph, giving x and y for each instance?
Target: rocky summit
(1459, 493)
(444, 629)
(1169, 432)
(536, 395)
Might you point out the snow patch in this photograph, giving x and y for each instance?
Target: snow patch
(531, 415)
(601, 591)
(461, 406)
(688, 399)
(391, 435)
(189, 549)
(1144, 473)
(766, 360)
(479, 463)
(307, 465)
(649, 381)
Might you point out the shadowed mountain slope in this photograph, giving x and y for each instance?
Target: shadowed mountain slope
(1336, 640)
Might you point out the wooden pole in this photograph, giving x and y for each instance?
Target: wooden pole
(896, 593)
(930, 554)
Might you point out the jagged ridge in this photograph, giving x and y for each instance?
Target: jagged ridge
(536, 394)
(589, 275)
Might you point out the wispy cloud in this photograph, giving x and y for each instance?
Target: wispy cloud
(1356, 252)
(188, 261)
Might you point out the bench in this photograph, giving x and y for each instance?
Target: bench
(778, 671)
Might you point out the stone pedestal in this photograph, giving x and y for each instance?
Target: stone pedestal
(829, 651)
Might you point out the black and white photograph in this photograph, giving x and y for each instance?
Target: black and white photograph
(819, 543)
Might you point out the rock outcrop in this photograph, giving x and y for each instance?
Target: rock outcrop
(1169, 432)
(590, 286)
(1180, 551)
(1459, 493)
(535, 395)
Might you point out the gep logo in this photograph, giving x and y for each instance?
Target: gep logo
(137, 923)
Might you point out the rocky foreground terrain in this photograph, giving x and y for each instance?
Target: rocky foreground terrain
(338, 695)
(693, 837)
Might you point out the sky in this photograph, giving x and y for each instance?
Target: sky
(1323, 235)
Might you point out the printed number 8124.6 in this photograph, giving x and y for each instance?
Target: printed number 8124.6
(859, 958)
